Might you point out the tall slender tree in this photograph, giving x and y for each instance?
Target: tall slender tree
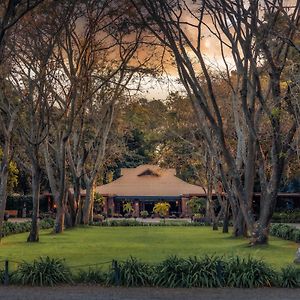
(246, 34)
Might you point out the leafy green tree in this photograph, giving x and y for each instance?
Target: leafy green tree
(197, 205)
(13, 174)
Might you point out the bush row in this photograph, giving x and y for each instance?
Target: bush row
(208, 271)
(128, 222)
(14, 227)
(286, 232)
(286, 217)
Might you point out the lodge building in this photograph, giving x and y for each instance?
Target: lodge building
(146, 185)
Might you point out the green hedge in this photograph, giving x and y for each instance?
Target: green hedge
(14, 227)
(287, 232)
(206, 272)
(286, 217)
(128, 222)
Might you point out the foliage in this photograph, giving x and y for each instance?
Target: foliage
(132, 272)
(99, 200)
(289, 277)
(170, 273)
(197, 205)
(91, 276)
(13, 228)
(13, 174)
(17, 202)
(128, 208)
(161, 208)
(190, 272)
(206, 272)
(42, 272)
(248, 273)
(122, 223)
(287, 232)
(197, 217)
(98, 218)
(144, 214)
(286, 217)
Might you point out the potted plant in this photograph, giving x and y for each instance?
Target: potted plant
(144, 214)
(128, 209)
(197, 217)
(98, 218)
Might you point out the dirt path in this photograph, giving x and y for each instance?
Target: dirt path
(114, 293)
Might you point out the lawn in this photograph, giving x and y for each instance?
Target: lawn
(90, 245)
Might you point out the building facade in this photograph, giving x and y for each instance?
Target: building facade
(146, 185)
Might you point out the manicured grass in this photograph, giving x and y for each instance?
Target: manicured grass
(90, 245)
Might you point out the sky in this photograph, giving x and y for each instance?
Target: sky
(153, 88)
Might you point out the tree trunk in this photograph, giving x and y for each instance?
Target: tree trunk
(239, 226)
(215, 225)
(3, 196)
(70, 211)
(88, 202)
(60, 197)
(260, 232)
(60, 217)
(76, 203)
(36, 182)
(226, 218)
(4, 179)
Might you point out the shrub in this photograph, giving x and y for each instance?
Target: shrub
(128, 209)
(113, 223)
(162, 209)
(98, 218)
(42, 272)
(192, 272)
(197, 217)
(1, 276)
(144, 214)
(116, 215)
(47, 223)
(286, 232)
(296, 235)
(248, 273)
(205, 272)
(13, 228)
(132, 272)
(197, 205)
(91, 276)
(170, 273)
(289, 277)
(286, 217)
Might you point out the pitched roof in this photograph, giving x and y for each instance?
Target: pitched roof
(149, 180)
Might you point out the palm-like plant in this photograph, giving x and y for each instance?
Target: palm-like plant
(161, 208)
(128, 208)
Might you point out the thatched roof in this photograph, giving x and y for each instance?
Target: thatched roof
(149, 180)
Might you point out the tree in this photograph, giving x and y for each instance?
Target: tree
(11, 13)
(13, 174)
(197, 205)
(246, 33)
(31, 75)
(106, 69)
(162, 209)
